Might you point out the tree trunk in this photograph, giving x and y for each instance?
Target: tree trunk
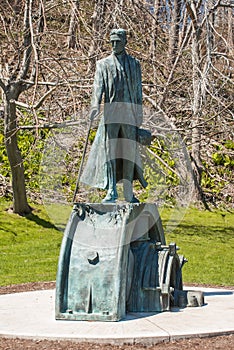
(230, 40)
(174, 31)
(197, 105)
(20, 204)
(152, 48)
(71, 41)
(98, 32)
(196, 120)
(196, 108)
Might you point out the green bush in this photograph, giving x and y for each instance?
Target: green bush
(31, 145)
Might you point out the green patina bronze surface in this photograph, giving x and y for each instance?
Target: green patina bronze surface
(114, 260)
(115, 154)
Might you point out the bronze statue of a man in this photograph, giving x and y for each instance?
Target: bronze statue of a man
(115, 155)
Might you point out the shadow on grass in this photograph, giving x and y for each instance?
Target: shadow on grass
(200, 230)
(40, 221)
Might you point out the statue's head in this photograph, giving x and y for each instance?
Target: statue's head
(118, 40)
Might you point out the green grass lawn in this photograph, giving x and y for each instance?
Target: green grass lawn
(206, 239)
(29, 247)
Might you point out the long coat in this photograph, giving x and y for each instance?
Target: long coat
(120, 85)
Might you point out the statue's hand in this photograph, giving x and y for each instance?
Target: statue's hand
(93, 114)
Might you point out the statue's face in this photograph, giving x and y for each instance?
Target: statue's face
(117, 46)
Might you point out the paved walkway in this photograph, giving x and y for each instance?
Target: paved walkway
(31, 315)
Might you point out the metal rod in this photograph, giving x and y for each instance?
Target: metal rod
(82, 161)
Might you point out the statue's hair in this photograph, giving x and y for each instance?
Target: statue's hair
(120, 32)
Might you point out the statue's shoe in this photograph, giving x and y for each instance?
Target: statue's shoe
(108, 200)
(111, 197)
(134, 200)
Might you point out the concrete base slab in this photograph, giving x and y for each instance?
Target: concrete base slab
(32, 315)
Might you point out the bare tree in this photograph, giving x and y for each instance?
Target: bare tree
(98, 31)
(32, 67)
(43, 79)
(174, 30)
(197, 93)
(12, 82)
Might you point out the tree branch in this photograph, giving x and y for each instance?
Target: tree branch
(27, 42)
(2, 85)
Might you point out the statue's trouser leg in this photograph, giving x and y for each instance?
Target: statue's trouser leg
(128, 132)
(112, 144)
